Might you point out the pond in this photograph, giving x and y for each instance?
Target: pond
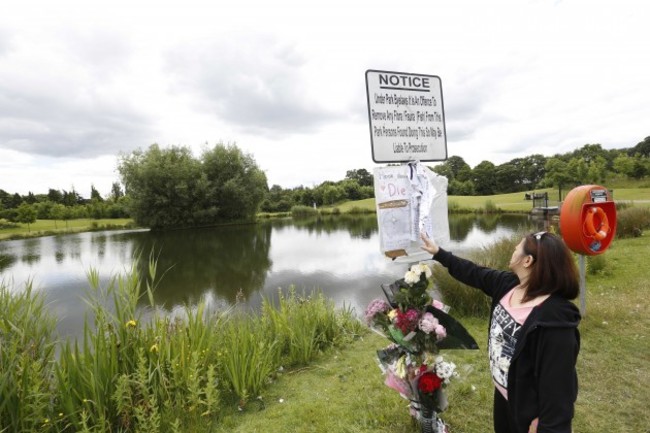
(338, 255)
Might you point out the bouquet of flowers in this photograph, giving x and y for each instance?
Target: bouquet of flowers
(418, 327)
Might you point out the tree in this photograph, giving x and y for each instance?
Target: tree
(484, 178)
(26, 215)
(362, 176)
(237, 186)
(95, 195)
(557, 173)
(505, 178)
(165, 186)
(116, 192)
(454, 168)
(642, 148)
(170, 188)
(58, 212)
(55, 196)
(71, 198)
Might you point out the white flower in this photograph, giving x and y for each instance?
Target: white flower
(421, 268)
(445, 370)
(411, 277)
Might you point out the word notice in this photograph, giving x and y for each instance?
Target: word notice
(406, 115)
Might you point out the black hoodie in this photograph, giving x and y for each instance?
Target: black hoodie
(542, 379)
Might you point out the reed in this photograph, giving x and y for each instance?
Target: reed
(466, 300)
(27, 352)
(139, 369)
(631, 221)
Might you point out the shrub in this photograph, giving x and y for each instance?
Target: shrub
(357, 210)
(4, 224)
(631, 222)
(490, 207)
(597, 264)
(301, 211)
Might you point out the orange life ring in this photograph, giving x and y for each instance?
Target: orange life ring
(602, 231)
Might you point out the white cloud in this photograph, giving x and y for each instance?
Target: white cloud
(81, 82)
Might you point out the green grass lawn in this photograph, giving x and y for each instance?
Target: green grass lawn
(50, 227)
(512, 202)
(344, 392)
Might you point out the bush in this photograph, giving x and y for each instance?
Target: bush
(597, 264)
(631, 222)
(4, 224)
(301, 211)
(490, 207)
(357, 210)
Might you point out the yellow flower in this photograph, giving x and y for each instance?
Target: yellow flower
(131, 324)
(400, 368)
(153, 348)
(392, 314)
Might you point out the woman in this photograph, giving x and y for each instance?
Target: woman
(533, 339)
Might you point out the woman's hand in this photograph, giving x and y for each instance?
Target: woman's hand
(430, 245)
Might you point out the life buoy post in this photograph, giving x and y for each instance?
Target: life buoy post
(588, 219)
(588, 226)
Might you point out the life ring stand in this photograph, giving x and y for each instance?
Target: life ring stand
(602, 231)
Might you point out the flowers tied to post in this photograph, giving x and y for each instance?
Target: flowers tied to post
(418, 327)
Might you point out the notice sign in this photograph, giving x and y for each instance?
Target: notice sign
(406, 114)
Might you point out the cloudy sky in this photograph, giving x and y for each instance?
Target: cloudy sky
(82, 82)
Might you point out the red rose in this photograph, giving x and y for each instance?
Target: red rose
(429, 382)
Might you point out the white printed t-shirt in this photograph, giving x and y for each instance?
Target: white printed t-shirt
(504, 331)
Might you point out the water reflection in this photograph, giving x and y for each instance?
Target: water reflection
(338, 255)
(225, 261)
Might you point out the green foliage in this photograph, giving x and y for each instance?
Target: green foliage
(466, 300)
(26, 214)
(4, 224)
(301, 212)
(171, 188)
(236, 186)
(490, 207)
(138, 370)
(26, 360)
(596, 264)
(632, 221)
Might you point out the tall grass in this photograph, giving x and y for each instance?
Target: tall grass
(26, 360)
(466, 300)
(139, 369)
(303, 212)
(631, 221)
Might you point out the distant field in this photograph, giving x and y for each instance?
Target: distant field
(50, 227)
(513, 202)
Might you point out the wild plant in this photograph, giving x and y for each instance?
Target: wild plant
(247, 359)
(26, 361)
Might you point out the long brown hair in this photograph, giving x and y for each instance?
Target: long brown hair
(554, 269)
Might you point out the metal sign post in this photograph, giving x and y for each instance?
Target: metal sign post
(583, 284)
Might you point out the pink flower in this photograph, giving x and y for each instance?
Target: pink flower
(428, 323)
(376, 306)
(440, 331)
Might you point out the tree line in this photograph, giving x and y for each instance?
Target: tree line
(587, 165)
(170, 187)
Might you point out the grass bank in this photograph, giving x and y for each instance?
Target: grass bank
(54, 227)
